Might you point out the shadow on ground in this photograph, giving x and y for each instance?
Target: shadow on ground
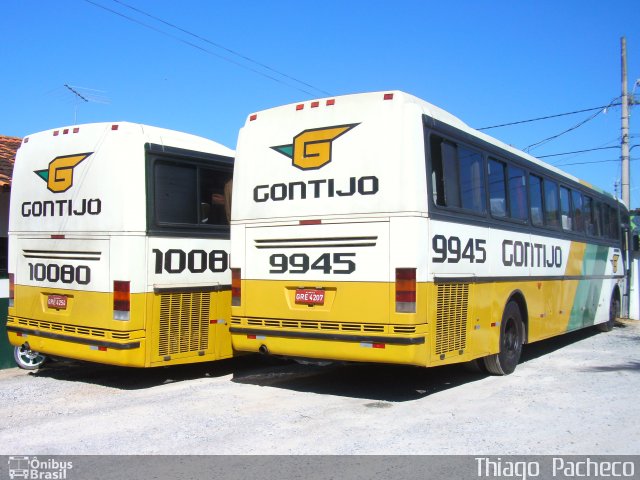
(379, 383)
(386, 383)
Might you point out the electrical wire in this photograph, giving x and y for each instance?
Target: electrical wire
(217, 45)
(191, 44)
(547, 117)
(578, 125)
(576, 151)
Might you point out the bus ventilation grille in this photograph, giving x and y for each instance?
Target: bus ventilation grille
(184, 322)
(451, 317)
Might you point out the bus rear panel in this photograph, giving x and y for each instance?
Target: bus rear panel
(111, 258)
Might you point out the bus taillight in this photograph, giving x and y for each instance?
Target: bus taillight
(12, 289)
(121, 300)
(236, 289)
(406, 290)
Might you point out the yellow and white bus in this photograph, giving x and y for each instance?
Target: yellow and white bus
(119, 246)
(379, 228)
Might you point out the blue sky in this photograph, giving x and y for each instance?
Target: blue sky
(486, 62)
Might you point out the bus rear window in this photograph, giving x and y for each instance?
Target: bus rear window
(189, 195)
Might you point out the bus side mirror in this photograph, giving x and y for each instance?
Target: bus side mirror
(635, 243)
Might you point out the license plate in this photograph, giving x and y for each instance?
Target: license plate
(309, 296)
(59, 302)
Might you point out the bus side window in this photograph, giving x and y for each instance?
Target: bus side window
(596, 215)
(551, 209)
(566, 214)
(437, 171)
(451, 174)
(457, 176)
(471, 170)
(588, 220)
(517, 193)
(497, 188)
(578, 214)
(535, 200)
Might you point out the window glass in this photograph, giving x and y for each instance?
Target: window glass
(551, 207)
(588, 216)
(497, 188)
(451, 174)
(596, 219)
(191, 195)
(437, 171)
(606, 221)
(176, 198)
(535, 200)
(578, 214)
(614, 231)
(517, 193)
(215, 197)
(471, 180)
(457, 176)
(566, 214)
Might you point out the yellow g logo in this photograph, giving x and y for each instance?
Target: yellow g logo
(59, 175)
(311, 149)
(614, 263)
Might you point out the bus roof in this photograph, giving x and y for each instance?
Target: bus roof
(425, 108)
(156, 135)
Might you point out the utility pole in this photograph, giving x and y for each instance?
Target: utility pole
(626, 198)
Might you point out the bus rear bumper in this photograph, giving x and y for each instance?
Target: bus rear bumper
(407, 350)
(129, 353)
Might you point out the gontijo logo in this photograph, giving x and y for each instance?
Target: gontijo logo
(311, 149)
(59, 175)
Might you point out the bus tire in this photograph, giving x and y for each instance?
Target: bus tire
(511, 335)
(614, 312)
(28, 359)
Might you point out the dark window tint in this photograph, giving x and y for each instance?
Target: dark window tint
(175, 193)
(457, 176)
(578, 213)
(551, 207)
(535, 200)
(566, 213)
(497, 188)
(517, 193)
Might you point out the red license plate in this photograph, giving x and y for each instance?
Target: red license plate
(309, 296)
(59, 302)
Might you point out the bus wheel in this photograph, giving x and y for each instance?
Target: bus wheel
(511, 334)
(614, 312)
(28, 359)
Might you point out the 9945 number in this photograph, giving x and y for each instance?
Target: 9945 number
(451, 250)
(338, 263)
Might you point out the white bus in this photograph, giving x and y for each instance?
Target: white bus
(379, 228)
(119, 246)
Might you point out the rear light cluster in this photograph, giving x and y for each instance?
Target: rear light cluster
(12, 289)
(121, 300)
(236, 287)
(406, 290)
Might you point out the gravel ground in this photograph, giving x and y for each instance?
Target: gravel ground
(578, 394)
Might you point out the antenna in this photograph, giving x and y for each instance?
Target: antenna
(85, 95)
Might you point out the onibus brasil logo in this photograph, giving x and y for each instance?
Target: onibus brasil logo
(59, 175)
(311, 149)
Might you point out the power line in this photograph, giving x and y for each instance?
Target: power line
(549, 116)
(191, 44)
(595, 161)
(576, 151)
(217, 45)
(578, 125)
